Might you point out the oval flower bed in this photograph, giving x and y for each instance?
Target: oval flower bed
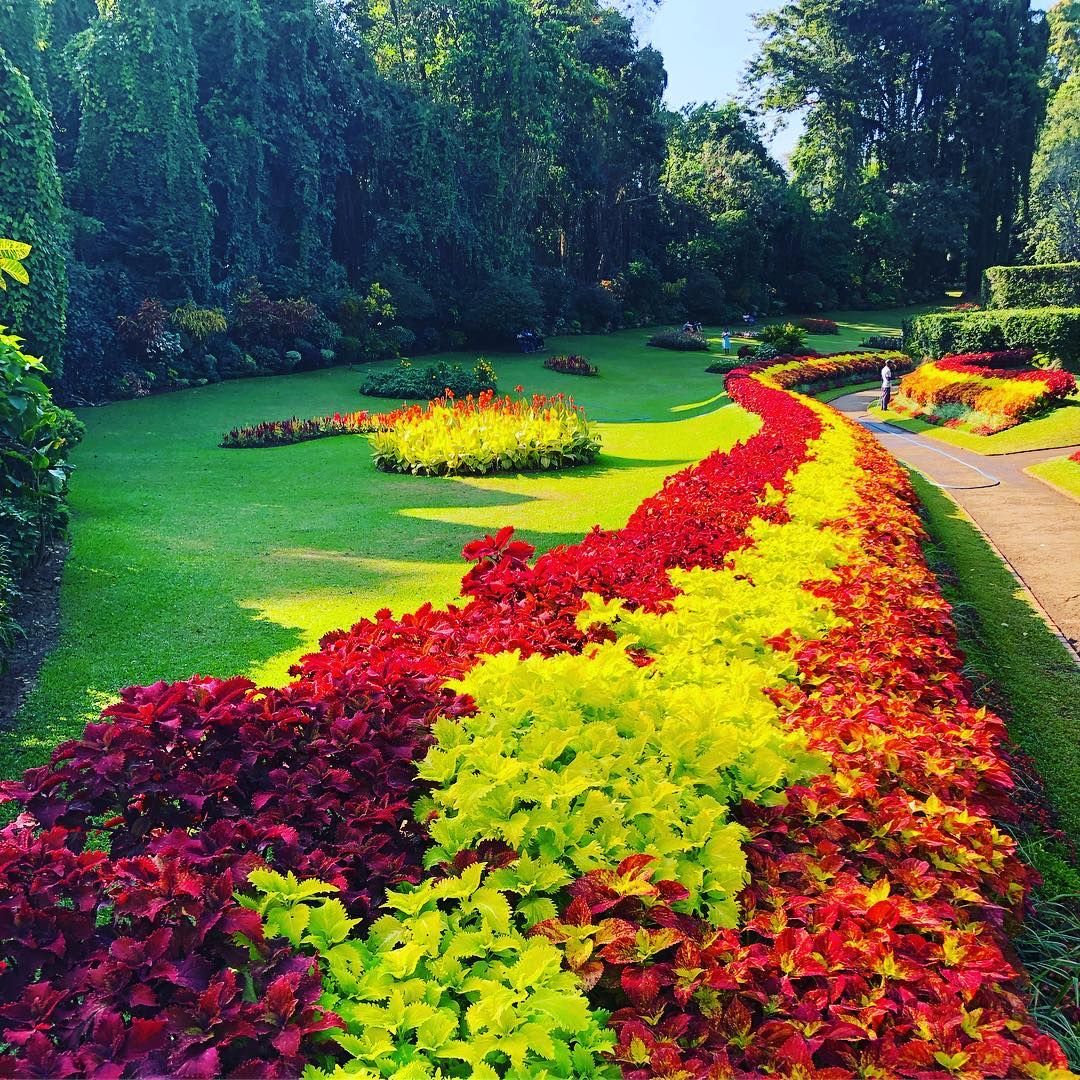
(571, 365)
(486, 434)
(983, 393)
(705, 796)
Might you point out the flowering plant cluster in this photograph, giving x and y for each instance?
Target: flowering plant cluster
(571, 365)
(486, 434)
(701, 797)
(819, 326)
(823, 372)
(294, 430)
(982, 392)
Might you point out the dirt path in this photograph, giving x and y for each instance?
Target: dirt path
(1036, 528)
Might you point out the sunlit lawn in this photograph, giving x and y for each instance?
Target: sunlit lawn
(1062, 472)
(187, 558)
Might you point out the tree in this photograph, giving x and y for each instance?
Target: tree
(139, 168)
(1053, 232)
(928, 103)
(31, 212)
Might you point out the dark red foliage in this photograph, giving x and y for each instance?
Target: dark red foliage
(258, 320)
(145, 326)
(819, 326)
(571, 365)
(129, 967)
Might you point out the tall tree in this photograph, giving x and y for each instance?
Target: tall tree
(31, 211)
(912, 106)
(1054, 223)
(139, 169)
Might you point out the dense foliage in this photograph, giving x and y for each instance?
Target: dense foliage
(921, 121)
(1042, 285)
(426, 173)
(35, 439)
(476, 436)
(983, 393)
(31, 210)
(1051, 332)
(850, 925)
(408, 380)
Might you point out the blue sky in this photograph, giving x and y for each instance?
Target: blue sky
(706, 46)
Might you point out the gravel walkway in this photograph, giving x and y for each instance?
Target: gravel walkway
(1036, 528)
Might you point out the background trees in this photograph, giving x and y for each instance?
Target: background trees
(497, 161)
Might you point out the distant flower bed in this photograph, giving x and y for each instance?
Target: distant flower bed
(982, 393)
(571, 365)
(476, 436)
(406, 380)
(818, 326)
(294, 430)
(679, 341)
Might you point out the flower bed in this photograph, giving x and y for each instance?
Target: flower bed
(294, 430)
(679, 341)
(983, 393)
(819, 326)
(825, 372)
(476, 436)
(571, 365)
(702, 796)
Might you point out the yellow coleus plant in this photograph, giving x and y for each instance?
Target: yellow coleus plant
(486, 435)
(586, 759)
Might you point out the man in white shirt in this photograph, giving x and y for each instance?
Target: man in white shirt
(886, 386)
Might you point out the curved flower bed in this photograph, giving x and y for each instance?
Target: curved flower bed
(704, 796)
(294, 430)
(982, 392)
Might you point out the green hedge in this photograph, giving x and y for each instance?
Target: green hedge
(1046, 285)
(1053, 331)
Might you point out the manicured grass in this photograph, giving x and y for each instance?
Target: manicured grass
(1010, 648)
(187, 558)
(1060, 427)
(1061, 472)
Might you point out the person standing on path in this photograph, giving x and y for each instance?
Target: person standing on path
(886, 386)
(727, 341)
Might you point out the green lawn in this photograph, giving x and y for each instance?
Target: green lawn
(187, 558)
(1060, 427)
(1061, 472)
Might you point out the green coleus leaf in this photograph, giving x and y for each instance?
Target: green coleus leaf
(329, 924)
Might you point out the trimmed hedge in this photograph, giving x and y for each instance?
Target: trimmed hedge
(1054, 331)
(1045, 285)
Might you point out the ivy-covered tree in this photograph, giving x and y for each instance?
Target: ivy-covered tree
(31, 211)
(1054, 224)
(139, 179)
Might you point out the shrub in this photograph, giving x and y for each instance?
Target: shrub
(1045, 285)
(882, 341)
(36, 437)
(350, 350)
(571, 365)
(765, 352)
(140, 330)
(234, 363)
(679, 341)
(704, 297)
(818, 326)
(1052, 331)
(406, 380)
(496, 312)
(259, 321)
(476, 436)
(784, 337)
(199, 324)
(724, 364)
(267, 359)
(595, 307)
